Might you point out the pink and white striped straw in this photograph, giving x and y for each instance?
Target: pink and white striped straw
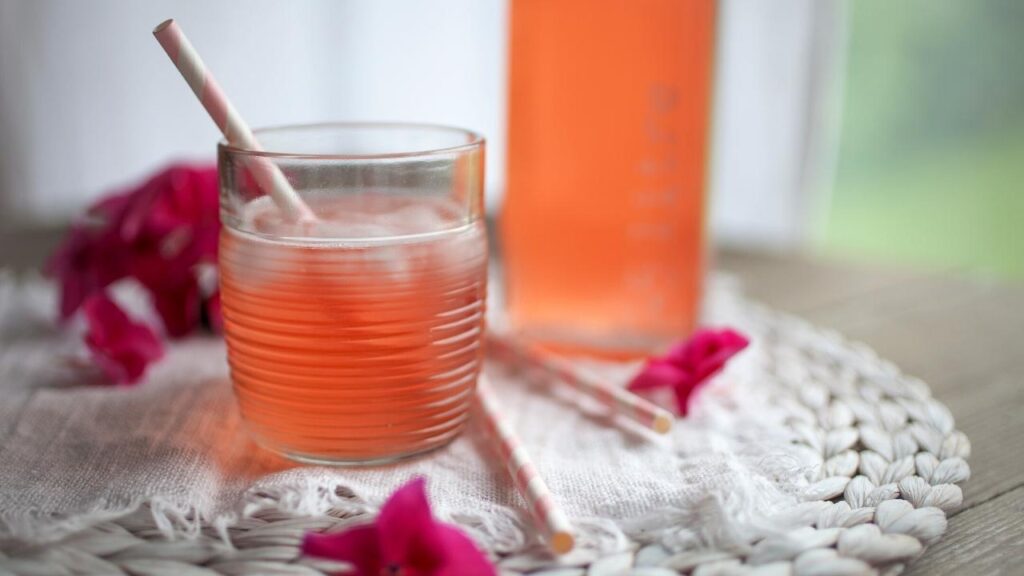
(554, 524)
(227, 119)
(614, 398)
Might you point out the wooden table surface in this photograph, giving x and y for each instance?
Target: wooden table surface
(965, 338)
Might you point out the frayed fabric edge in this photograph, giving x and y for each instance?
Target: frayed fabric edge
(499, 531)
(173, 519)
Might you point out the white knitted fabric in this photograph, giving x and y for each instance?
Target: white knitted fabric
(730, 475)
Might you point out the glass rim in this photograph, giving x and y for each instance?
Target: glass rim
(474, 140)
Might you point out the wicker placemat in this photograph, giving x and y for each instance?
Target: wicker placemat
(888, 464)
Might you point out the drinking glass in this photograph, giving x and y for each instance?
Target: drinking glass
(356, 338)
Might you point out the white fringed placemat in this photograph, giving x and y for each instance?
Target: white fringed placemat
(807, 455)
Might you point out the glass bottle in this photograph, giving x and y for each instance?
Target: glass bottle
(603, 223)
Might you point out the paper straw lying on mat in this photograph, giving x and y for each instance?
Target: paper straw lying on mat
(554, 524)
(231, 125)
(615, 398)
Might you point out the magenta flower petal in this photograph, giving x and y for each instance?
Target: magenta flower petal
(710, 350)
(213, 313)
(120, 347)
(463, 557)
(412, 534)
(88, 260)
(657, 373)
(684, 391)
(689, 364)
(406, 540)
(178, 305)
(157, 232)
(359, 546)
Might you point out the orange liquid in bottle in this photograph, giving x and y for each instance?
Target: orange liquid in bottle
(354, 350)
(602, 229)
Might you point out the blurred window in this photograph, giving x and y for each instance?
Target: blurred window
(931, 157)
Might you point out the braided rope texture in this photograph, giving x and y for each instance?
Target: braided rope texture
(888, 461)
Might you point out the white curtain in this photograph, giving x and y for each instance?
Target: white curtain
(89, 102)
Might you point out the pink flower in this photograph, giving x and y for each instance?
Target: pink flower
(405, 540)
(689, 364)
(171, 225)
(157, 233)
(214, 317)
(90, 259)
(120, 347)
